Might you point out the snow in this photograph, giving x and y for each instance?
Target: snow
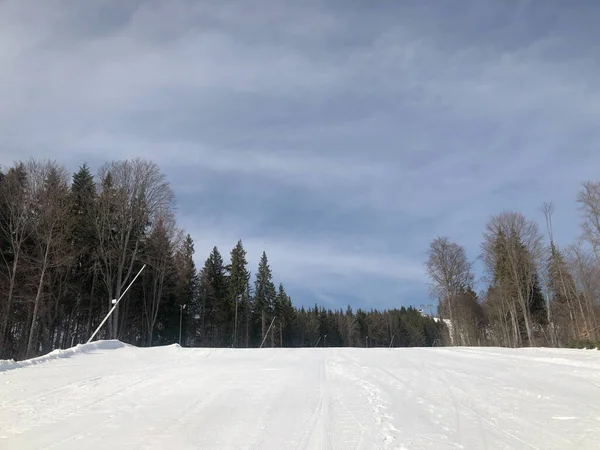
(82, 348)
(111, 395)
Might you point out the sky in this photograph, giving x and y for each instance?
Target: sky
(341, 137)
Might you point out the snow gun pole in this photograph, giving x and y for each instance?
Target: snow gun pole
(115, 305)
(267, 333)
(318, 340)
(392, 340)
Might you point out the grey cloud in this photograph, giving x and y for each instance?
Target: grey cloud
(397, 121)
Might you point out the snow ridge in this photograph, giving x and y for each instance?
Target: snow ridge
(11, 364)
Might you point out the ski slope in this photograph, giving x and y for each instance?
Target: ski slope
(110, 395)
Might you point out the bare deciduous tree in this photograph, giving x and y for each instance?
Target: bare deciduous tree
(548, 210)
(589, 201)
(164, 240)
(582, 285)
(49, 191)
(133, 195)
(450, 273)
(14, 226)
(513, 245)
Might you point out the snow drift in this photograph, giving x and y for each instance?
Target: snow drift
(56, 354)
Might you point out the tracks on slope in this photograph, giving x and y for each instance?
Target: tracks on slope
(318, 434)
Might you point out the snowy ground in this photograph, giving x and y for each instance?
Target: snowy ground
(107, 395)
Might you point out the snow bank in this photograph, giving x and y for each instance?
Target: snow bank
(59, 354)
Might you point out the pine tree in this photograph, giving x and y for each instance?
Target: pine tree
(84, 241)
(107, 233)
(264, 296)
(214, 298)
(533, 311)
(501, 269)
(57, 299)
(537, 303)
(239, 280)
(515, 279)
(324, 326)
(285, 314)
(271, 300)
(469, 317)
(363, 329)
(187, 291)
(351, 328)
(279, 313)
(159, 279)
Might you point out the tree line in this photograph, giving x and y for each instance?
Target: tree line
(71, 243)
(537, 292)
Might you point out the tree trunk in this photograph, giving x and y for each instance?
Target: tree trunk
(524, 305)
(515, 325)
(157, 294)
(280, 335)
(247, 326)
(8, 303)
(272, 339)
(89, 320)
(37, 304)
(235, 326)
(263, 325)
(115, 315)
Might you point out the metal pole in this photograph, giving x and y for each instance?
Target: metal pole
(181, 308)
(318, 340)
(267, 333)
(392, 340)
(115, 305)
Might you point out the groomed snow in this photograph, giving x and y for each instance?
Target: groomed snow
(112, 396)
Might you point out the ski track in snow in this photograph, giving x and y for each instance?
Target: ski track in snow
(110, 395)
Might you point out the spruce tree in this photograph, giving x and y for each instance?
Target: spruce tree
(537, 302)
(285, 314)
(264, 296)
(351, 328)
(84, 241)
(159, 284)
(214, 298)
(187, 291)
(534, 311)
(239, 279)
(516, 282)
(271, 300)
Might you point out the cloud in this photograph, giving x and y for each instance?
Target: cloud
(342, 138)
(294, 260)
(320, 269)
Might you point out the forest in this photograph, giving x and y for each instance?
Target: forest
(537, 292)
(71, 243)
